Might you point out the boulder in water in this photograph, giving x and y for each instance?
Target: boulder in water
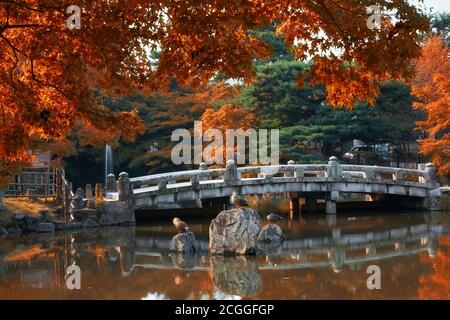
(234, 232)
(184, 242)
(271, 233)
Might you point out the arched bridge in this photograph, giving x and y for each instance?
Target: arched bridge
(311, 181)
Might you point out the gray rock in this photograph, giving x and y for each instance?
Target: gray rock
(44, 227)
(14, 231)
(271, 233)
(44, 214)
(117, 213)
(236, 275)
(89, 223)
(32, 220)
(73, 225)
(19, 217)
(63, 225)
(3, 231)
(84, 214)
(78, 200)
(184, 242)
(106, 220)
(59, 225)
(234, 232)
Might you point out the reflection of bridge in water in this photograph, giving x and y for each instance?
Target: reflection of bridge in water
(130, 255)
(335, 250)
(212, 187)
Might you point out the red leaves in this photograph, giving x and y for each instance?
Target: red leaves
(46, 66)
(432, 87)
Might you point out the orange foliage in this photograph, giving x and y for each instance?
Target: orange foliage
(432, 87)
(436, 284)
(227, 117)
(48, 73)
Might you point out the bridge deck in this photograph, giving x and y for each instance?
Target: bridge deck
(172, 190)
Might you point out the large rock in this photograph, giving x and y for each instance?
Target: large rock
(271, 233)
(84, 214)
(89, 223)
(62, 225)
(44, 227)
(19, 217)
(234, 232)
(14, 231)
(33, 220)
(185, 243)
(3, 231)
(116, 213)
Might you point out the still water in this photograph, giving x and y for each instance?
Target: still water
(324, 257)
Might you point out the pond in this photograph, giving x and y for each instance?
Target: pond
(324, 257)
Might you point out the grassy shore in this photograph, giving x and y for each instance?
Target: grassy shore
(30, 206)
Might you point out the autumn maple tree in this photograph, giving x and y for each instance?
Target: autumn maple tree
(432, 88)
(51, 77)
(227, 117)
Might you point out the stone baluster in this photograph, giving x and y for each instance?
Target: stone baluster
(333, 172)
(203, 166)
(194, 181)
(124, 187)
(290, 172)
(431, 202)
(398, 175)
(368, 174)
(111, 185)
(421, 167)
(333, 168)
(162, 183)
(430, 174)
(203, 175)
(231, 173)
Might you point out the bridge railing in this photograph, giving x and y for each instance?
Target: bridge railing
(232, 174)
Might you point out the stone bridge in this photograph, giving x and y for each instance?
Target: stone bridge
(204, 187)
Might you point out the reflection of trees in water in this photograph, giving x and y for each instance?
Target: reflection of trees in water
(112, 270)
(235, 275)
(436, 283)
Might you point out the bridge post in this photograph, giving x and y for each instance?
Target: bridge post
(333, 168)
(231, 174)
(431, 202)
(111, 185)
(124, 187)
(430, 174)
(290, 173)
(162, 184)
